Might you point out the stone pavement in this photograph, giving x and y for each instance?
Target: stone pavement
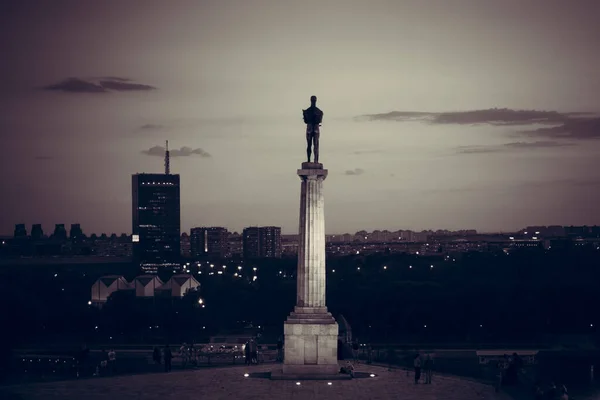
(230, 384)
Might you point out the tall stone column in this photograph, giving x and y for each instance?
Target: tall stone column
(311, 332)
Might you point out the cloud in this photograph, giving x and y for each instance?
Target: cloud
(511, 146)
(152, 126)
(125, 86)
(574, 128)
(95, 85)
(182, 152)
(76, 85)
(573, 125)
(355, 171)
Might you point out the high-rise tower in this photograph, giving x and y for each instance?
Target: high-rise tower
(156, 220)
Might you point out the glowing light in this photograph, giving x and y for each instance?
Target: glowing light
(239, 268)
(329, 383)
(246, 375)
(212, 266)
(297, 383)
(89, 303)
(220, 272)
(254, 269)
(236, 274)
(424, 326)
(410, 266)
(372, 375)
(135, 238)
(333, 270)
(384, 267)
(254, 278)
(358, 268)
(200, 301)
(432, 266)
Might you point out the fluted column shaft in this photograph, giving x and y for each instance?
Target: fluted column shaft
(311, 246)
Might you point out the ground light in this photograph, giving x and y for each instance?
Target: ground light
(246, 375)
(372, 375)
(297, 383)
(329, 383)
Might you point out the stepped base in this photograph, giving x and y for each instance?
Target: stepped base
(308, 374)
(311, 336)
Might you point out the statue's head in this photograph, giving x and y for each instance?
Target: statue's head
(313, 100)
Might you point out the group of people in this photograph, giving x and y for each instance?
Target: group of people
(251, 352)
(425, 365)
(551, 393)
(508, 370)
(108, 363)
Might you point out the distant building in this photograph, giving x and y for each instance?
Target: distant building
(75, 234)
(236, 245)
(144, 286)
(209, 242)
(583, 231)
(185, 245)
(179, 286)
(113, 246)
(107, 285)
(60, 232)
(37, 232)
(20, 231)
(156, 221)
(262, 242)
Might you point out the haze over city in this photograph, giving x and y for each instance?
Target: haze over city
(438, 114)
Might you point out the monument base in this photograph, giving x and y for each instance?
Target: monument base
(310, 352)
(279, 375)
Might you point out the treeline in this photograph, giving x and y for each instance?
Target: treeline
(386, 298)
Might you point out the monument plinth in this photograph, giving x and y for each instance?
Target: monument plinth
(311, 333)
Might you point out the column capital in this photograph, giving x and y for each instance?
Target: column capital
(312, 171)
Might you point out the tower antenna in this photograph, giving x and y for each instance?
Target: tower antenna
(167, 160)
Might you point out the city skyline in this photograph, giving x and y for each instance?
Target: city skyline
(465, 116)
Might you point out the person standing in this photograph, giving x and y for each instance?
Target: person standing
(156, 355)
(428, 366)
(168, 356)
(112, 361)
(247, 355)
(417, 367)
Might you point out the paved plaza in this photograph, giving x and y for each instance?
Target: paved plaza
(230, 384)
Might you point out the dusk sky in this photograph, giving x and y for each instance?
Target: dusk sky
(439, 114)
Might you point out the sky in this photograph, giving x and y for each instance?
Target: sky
(439, 114)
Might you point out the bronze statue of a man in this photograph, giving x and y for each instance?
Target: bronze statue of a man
(313, 118)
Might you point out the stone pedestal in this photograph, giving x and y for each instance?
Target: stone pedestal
(311, 333)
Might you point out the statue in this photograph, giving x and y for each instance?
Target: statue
(313, 118)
